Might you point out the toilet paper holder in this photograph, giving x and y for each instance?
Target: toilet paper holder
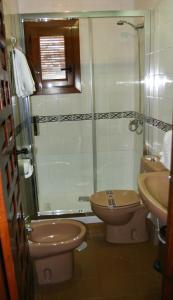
(22, 151)
(25, 167)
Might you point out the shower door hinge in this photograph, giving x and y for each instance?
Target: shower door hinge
(83, 198)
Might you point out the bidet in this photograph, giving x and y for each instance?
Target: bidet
(51, 245)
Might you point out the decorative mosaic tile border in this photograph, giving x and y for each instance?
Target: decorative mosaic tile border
(87, 116)
(154, 122)
(159, 124)
(99, 116)
(107, 115)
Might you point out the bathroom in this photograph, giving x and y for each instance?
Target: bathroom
(81, 142)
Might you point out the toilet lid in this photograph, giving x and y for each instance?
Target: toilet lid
(115, 198)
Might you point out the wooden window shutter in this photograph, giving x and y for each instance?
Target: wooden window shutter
(52, 49)
(53, 60)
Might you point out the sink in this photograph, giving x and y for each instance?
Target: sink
(154, 191)
(152, 164)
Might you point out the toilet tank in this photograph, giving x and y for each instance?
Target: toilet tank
(151, 164)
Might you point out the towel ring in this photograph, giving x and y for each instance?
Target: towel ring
(13, 41)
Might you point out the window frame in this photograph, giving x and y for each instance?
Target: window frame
(70, 30)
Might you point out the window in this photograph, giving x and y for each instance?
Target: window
(52, 50)
(52, 54)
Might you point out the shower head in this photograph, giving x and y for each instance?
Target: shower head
(136, 27)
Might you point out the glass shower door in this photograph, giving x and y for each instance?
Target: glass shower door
(64, 165)
(64, 150)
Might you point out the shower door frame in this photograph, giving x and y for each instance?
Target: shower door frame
(89, 15)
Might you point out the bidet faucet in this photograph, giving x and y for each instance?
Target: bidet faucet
(28, 224)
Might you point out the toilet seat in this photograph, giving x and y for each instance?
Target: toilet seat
(115, 198)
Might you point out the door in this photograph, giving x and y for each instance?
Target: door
(167, 287)
(14, 254)
(3, 281)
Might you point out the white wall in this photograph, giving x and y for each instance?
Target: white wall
(11, 19)
(160, 83)
(11, 13)
(10, 7)
(33, 6)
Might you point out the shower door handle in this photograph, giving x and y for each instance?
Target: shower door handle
(35, 125)
(22, 151)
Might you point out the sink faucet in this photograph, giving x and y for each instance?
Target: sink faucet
(28, 224)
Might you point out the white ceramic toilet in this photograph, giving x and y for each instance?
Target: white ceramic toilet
(123, 211)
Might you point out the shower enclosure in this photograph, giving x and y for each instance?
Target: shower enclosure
(84, 142)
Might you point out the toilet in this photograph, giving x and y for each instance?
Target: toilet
(123, 211)
(51, 245)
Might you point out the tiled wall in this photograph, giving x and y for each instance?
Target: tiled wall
(75, 148)
(64, 149)
(160, 78)
(115, 71)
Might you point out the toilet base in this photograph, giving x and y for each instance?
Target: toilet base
(54, 269)
(135, 231)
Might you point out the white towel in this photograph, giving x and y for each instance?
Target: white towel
(166, 150)
(24, 82)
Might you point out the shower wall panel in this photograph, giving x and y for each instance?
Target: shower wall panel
(115, 76)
